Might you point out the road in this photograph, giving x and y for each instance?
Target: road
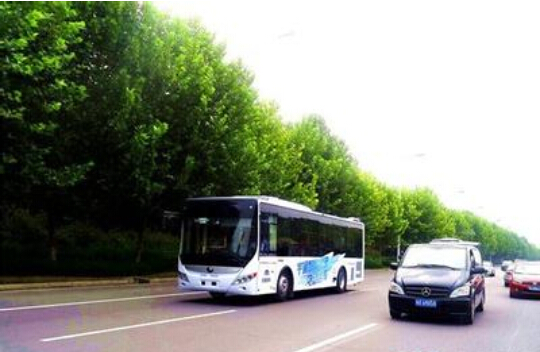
(159, 318)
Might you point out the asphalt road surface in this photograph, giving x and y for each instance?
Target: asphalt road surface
(160, 318)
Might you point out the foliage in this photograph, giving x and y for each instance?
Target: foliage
(114, 112)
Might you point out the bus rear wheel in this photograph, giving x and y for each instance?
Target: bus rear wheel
(341, 281)
(284, 286)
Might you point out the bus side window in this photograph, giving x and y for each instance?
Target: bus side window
(268, 241)
(273, 232)
(264, 247)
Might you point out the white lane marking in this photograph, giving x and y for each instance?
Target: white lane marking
(82, 287)
(367, 289)
(43, 306)
(136, 326)
(337, 338)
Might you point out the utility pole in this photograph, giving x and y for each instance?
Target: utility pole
(398, 251)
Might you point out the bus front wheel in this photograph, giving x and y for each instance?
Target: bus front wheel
(341, 281)
(217, 295)
(284, 286)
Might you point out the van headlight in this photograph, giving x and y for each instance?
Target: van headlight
(462, 291)
(395, 288)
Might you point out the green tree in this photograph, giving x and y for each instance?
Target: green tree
(112, 112)
(397, 224)
(373, 206)
(125, 69)
(327, 164)
(430, 218)
(37, 42)
(274, 158)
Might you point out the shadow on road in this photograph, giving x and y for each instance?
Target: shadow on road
(255, 301)
(536, 297)
(435, 320)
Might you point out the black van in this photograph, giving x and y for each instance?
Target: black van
(439, 278)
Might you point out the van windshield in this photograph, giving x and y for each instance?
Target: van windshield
(435, 257)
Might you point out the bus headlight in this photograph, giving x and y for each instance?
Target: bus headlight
(245, 279)
(183, 276)
(395, 288)
(462, 291)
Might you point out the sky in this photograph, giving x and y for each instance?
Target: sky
(435, 94)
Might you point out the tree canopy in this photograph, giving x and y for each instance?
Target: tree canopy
(114, 112)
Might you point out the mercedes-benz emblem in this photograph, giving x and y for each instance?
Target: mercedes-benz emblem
(209, 269)
(426, 292)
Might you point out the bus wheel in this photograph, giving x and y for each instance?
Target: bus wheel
(217, 295)
(284, 286)
(341, 281)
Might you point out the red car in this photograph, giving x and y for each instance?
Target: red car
(525, 280)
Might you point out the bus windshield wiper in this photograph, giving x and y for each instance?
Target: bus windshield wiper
(231, 256)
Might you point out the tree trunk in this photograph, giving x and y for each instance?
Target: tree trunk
(51, 231)
(140, 238)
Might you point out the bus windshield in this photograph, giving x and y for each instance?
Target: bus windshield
(219, 232)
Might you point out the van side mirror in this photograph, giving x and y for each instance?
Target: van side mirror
(478, 270)
(393, 266)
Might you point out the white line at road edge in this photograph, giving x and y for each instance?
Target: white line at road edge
(337, 338)
(136, 326)
(11, 309)
(366, 290)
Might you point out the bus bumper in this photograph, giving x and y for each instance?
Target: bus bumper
(218, 286)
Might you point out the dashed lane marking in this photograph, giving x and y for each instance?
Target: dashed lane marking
(136, 326)
(67, 304)
(337, 338)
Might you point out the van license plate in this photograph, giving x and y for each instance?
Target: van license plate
(425, 303)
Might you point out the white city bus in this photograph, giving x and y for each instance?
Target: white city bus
(256, 245)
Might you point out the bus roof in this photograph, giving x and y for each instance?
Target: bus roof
(285, 204)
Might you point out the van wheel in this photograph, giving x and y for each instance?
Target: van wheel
(284, 286)
(469, 318)
(394, 314)
(482, 302)
(341, 281)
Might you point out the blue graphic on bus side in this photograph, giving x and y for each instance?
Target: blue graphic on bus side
(315, 271)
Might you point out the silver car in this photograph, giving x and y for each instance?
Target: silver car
(490, 269)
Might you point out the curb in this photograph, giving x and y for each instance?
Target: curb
(136, 280)
(85, 283)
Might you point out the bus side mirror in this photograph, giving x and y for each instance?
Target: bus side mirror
(393, 266)
(171, 221)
